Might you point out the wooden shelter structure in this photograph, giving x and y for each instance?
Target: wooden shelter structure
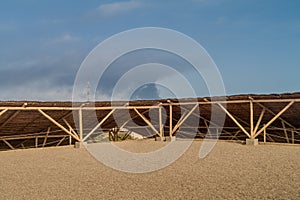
(269, 118)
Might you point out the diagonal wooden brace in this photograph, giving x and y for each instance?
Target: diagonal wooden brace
(58, 124)
(274, 118)
(99, 124)
(147, 122)
(181, 121)
(235, 121)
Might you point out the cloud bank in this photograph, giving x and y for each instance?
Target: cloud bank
(116, 8)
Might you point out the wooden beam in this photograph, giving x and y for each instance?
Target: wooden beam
(216, 128)
(3, 111)
(8, 144)
(214, 124)
(234, 116)
(170, 120)
(21, 144)
(149, 107)
(80, 108)
(70, 127)
(124, 124)
(180, 122)
(150, 134)
(132, 118)
(29, 137)
(235, 135)
(61, 141)
(12, 116)
(238, 101)
(45, 139)
(207, 127)
(180, 119)
(99, 124)
(285, 132)
(235, 121)
(270, 138)
(147, 122)
(58, 124)
(62, 117)
(274, 118)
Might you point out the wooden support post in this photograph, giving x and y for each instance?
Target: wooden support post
(265, 136)
(251, 120)
(235, 121)
(274, 118)
(147, 122)
(70, 129)
(293, 137)
(170, 120)
(99, 124)
(45, 139)
(8, 144)
(285, 132)
(36, 142)
(70, 140)
(80, 124)
(58, 124)
(161, 128)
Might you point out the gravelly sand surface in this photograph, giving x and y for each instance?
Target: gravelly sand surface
(231, 171)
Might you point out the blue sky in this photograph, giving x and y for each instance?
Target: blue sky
(254, 43)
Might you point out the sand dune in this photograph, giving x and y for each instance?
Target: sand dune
(231, 171)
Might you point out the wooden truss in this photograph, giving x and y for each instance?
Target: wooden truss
(258, 125)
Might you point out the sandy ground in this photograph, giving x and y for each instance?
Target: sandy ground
(231, 171)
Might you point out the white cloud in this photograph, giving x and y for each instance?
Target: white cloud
(64, 39)
(116, 8)
(36, 92)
